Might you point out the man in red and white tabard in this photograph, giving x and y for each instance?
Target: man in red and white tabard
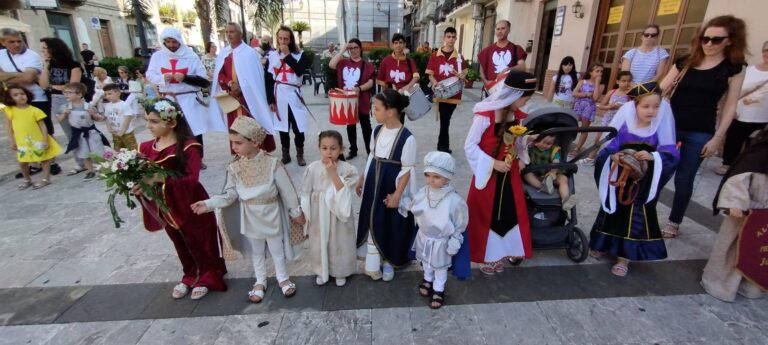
(500, 56)
(179, 75)
(396, 71)
(445, 63)
(238, 75)
(285, 67)
(356, 74)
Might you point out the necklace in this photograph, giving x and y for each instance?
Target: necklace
(434, 203)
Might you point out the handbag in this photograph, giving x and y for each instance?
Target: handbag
(632, 171)
(676, 83)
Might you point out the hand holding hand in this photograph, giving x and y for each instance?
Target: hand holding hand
(359, 187)
(200, 208)
(167, 77)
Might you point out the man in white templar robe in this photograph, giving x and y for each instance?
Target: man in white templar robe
(285, 67)
(246, 84)
(179, 75)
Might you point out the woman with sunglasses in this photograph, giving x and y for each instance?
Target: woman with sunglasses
(648, 61)
(695, 85)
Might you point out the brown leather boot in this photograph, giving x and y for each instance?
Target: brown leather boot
(300, 156)
(286, 154)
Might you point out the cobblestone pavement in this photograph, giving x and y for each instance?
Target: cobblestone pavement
(68, 277)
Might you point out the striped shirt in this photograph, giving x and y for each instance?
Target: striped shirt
(643, 65)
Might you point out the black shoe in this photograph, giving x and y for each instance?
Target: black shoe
(32, 171)
(89, 176)
(55, 169)
(351, 155)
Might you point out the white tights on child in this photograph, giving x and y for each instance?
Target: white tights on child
(372, 257)
(436, 277)
(259, 254)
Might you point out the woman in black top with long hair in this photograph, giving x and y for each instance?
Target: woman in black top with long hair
(697, 83)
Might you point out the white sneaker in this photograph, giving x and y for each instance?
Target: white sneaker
(319, 281)
(389, 273)
(341, 281)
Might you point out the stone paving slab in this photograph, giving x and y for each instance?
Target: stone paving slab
(119, 302)
(682, 319)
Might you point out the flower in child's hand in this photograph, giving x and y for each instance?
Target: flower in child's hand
(130, 184)
(518, 130)
(39, 145)
(107, 155)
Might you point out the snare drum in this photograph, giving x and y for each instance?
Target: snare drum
(419, 105)
(448, 88)
(344, 107)
(497, 84)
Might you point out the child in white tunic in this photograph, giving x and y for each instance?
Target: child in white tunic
(265, 193)
(326, 193)
(441, 215)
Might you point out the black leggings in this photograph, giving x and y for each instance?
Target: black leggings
(45, 106)
(738, 134)
(285, 138)
(365, 126)
(200, 140)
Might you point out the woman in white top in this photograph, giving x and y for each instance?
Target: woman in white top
(751, 111)
(646, 62)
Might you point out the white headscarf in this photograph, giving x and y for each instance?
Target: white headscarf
(499, 100)
(663, 125)
(183, 52)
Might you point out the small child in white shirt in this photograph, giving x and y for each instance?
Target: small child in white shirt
(442, 217)
(81, 116)
(120, 118)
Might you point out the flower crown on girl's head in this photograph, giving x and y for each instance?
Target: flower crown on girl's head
(165, 108)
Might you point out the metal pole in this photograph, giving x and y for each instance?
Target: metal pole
(139, 30)
(242, 20)
(389, 25)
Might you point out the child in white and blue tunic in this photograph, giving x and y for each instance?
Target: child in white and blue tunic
(442, 216)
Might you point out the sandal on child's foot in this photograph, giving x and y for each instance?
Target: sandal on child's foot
(41, 184)
(498, 266)
(671, 230)
(288, 288)
(24, 185)
(438, 299)
(199, 292)
(487, 269)
(425, 288)
(75, 171)
(596, 255)
(569, 202)
(620, 269)
(180, 290)
(256, 295)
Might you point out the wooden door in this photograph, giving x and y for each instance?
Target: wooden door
(106, 39)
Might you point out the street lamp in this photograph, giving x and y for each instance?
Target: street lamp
(378, 7)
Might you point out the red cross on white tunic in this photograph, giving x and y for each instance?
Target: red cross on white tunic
(284, 69)
(173, 70)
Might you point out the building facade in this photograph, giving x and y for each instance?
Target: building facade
(588, 30)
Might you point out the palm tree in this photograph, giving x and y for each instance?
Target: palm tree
(267, 13)
(300, 27)
(217, 10)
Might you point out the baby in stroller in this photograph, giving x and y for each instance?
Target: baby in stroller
(544, 150)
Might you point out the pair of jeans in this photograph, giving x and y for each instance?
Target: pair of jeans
(691, 144)
(365, 126)
(738, 134)
(446, 111)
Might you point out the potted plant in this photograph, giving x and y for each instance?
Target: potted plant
(472, 75)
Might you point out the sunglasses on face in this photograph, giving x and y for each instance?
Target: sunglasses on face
(714, 39)
(650, 35)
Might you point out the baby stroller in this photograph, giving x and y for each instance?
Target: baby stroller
(551, 227)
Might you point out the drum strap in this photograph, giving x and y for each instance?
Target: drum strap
(234, 79)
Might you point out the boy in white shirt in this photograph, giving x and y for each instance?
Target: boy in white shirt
(120, 116)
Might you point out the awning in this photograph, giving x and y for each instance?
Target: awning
(8, 22)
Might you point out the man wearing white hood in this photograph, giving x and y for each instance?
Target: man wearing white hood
(179, 75)
(238, 75)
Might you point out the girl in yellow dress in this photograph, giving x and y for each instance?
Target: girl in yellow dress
(27, 135)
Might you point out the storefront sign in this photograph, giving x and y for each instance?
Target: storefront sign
(668, 7)
(52, 4)
(614, 14)
(559, 19)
